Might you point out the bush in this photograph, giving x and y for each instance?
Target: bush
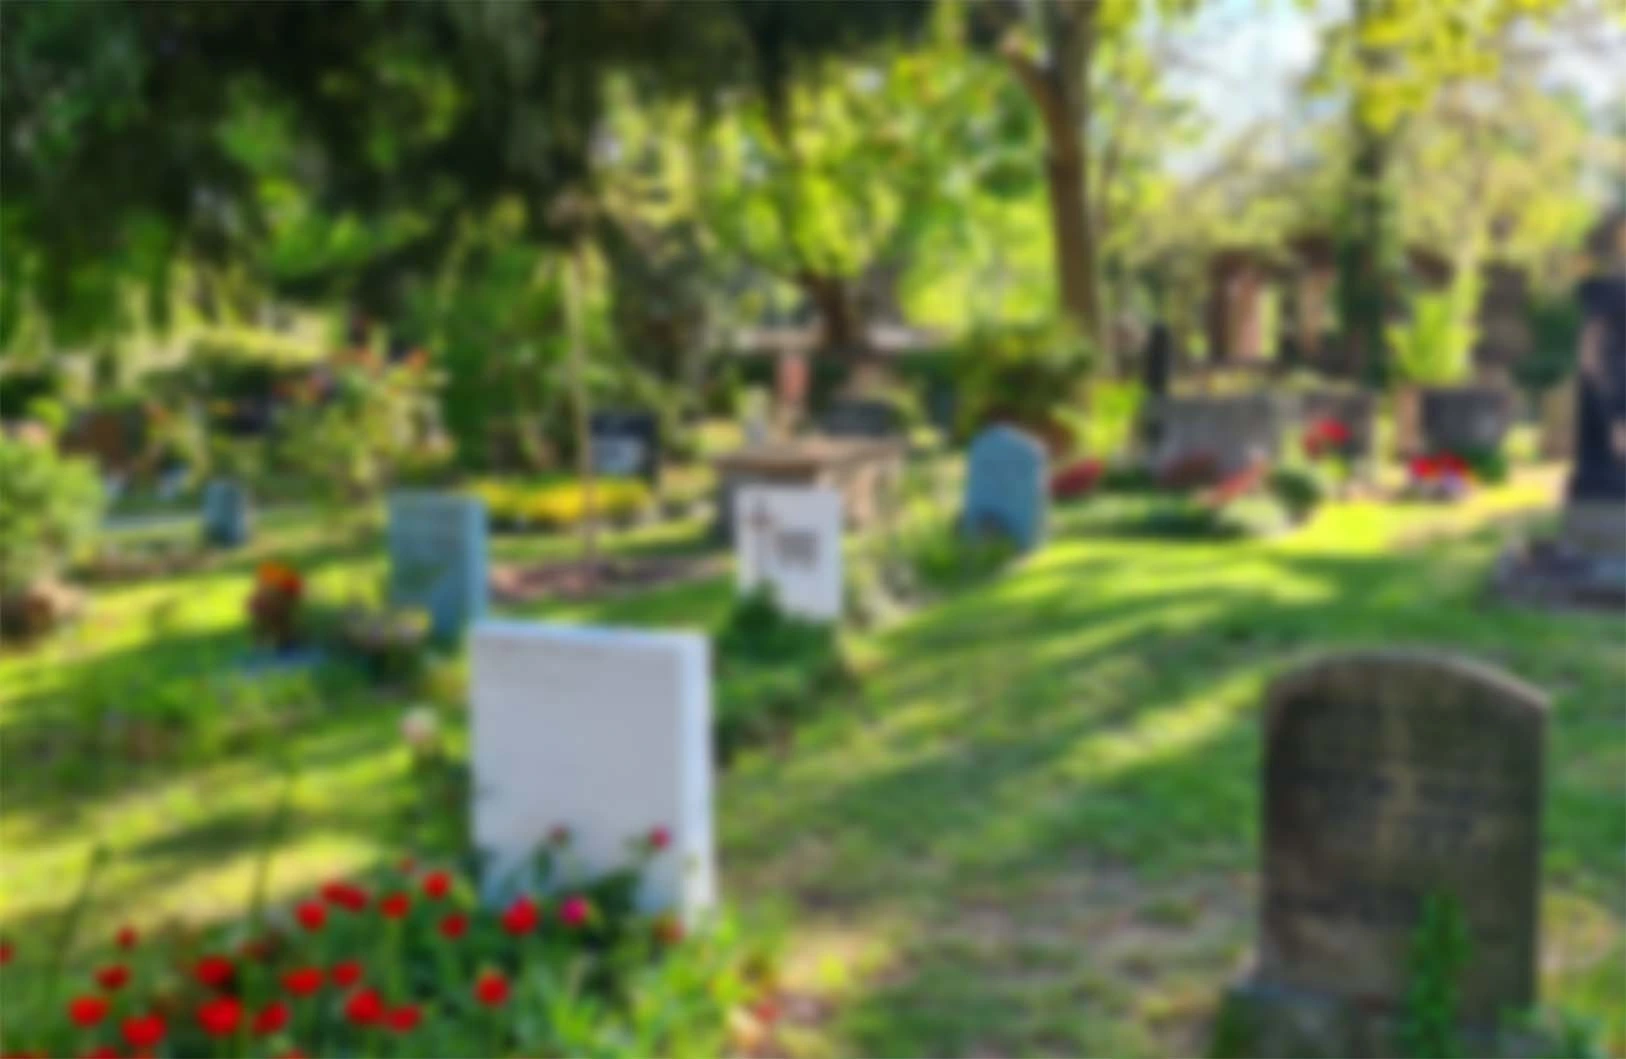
(563, 504)
(1432, 348)
(1028, 374)
(772, 669)
(51, 506)
(1298, 490)
(408, 964)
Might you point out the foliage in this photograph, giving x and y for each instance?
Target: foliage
(562, 504)
(772, 670)
(390, 642)
(1555, 331)
(1439, 952)
(1028, 373)
(365, 429)
(1297, 489)
(410, 963)
(53, 504)
(1109, 425)
(1432, 348)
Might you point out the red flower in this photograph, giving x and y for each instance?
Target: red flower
(311, 915)
(660, 838)
(271, 1019)
(213, 971)
(454, 926)
(220, 1016)
(1424, 468)
(345, 895)
(1076, 480)
(126, 937)
(395, 906)
(437, 884)
(303, 981)
(491, 989)
(293, 1053)
(113, 976)
(346, 974)
(574, 911)
(1238, 484)
(87, 1011)
(668, 929)
(364, 1008)
(144, 1031)
(404, 1019)
(1452, 464)
(6, 952)
(522, 916)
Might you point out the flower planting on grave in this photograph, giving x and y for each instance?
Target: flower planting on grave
(1328, 439)
(1442, 477)
(562, 504)
(1076, 480)
(274, 605)
(405, 962)
(772, 668)
(1196, 499)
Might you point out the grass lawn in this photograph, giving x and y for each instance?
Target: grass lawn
(1033, 831)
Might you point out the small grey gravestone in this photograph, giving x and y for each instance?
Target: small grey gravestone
(626, 444)
(1391, 777)
(227, 517)
(437, 548)
(1005, 487)
(861, 418)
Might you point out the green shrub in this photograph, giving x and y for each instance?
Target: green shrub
(1028, 373)
(51, 506)
(1432, 348)
(1297, 489)
(772, 669)
(1489, 465)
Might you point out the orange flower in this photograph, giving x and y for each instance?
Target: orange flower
(280, 577)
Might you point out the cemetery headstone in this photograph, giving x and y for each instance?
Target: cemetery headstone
(605, 732)
(1006, 475)
(1392, 778)
(1233, 431)
(626, 444)
(227, 517)
(1464, 419)
(437, 548)
(861, 418)
(789, 539)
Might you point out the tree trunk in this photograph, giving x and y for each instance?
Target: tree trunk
(578, 388)
(1060, 87)
(841, 319)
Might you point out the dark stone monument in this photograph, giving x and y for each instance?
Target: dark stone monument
(1464, 419)
(626, 444)
(1586, 564)
(854, 417)
(1391, 778)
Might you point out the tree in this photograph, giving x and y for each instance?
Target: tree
(1066, 82)
(1392, 58)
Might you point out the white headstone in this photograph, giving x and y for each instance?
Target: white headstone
(606, 732)
(789, 538)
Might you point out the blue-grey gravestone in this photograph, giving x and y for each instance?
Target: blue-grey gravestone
(1005, 487)
(226, 514)
(437, 544)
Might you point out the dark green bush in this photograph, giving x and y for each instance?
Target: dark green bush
(1297, 489)
(772, 669)
(1026, 373)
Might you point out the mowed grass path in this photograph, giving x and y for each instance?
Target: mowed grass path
(1033, 831)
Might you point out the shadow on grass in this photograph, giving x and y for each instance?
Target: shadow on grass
(1083, 723)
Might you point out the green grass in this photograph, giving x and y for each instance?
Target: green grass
(1033, 830)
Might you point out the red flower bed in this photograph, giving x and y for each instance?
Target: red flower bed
(1076, 480)
(1326, 438)
(345, 975)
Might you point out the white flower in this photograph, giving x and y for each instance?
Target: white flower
(420, 727)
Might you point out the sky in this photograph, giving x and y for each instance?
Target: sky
(1247, 57)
